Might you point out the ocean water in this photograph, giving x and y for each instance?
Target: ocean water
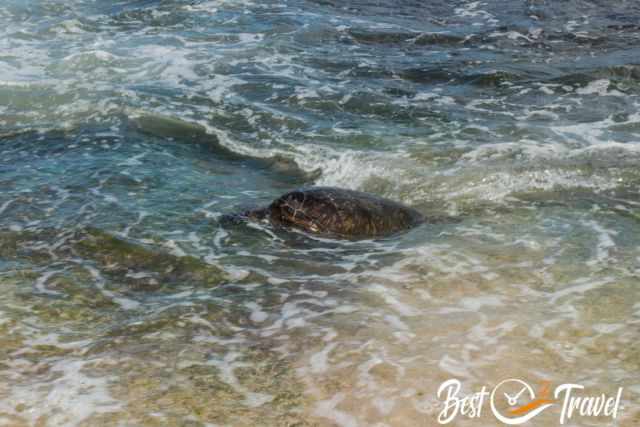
(127, 128)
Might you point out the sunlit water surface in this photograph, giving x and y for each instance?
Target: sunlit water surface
(128, 128)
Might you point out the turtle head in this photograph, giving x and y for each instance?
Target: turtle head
(302, 210)
(247, 214)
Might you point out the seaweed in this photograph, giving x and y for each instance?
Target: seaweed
(119, 256)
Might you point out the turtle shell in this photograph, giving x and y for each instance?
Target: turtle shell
(337, 211)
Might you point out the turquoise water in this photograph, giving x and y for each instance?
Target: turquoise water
(127, 129)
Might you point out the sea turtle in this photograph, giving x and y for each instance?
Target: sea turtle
(336, 212)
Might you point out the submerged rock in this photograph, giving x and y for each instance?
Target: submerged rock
(119, 258)
(283, 167)
(336, 212)
(118, 255)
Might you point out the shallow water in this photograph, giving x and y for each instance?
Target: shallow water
(128, 128)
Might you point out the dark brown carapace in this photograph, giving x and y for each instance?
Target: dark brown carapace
(338, 212)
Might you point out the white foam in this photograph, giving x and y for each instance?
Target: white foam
(227, 366)
(40, 283)
(257, 315)
(68, 398)
(475, 303)
(512, 35)
(327, 409)
(599, 87)
(389, 296)
(5, 205)
(580, 286)
(454, 367)
(101, 283)
(472, 10)
(605, 241)
(220, 86)
(319, 361)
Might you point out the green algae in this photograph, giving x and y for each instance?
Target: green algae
(77, 307)
(193, 133)
(115, 255)
(15, 245)
(196, 391)
(120, 256)
(9, 244)
(164, 377)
